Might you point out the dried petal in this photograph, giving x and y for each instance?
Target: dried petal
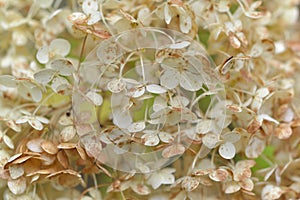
(35, 145)
(271, 192)
(283, 131)
(227, 150)
(68, 133)
(210, 140)
(8, 142)
(15, 171)
(173, 150)
(219, 175)
(95, 98)
(189, 183)
(140, 189)
(17, 186)
(231, 187)
(49, 147)
(247, 184)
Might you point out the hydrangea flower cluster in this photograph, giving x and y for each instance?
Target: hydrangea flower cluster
(137, 99)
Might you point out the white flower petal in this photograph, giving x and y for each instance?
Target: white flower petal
(8, 142)
(94, 17)
(22, 120)
(210, 140)
(36, 94)
(17, 186)
(190, 81)
(59, 84)
(89, 6)
(169, 79)
(42, 119)
(43, 54)
(116, 85)
(227, 150)
(68, 133)
(122, 118)
(204, 126)
(168, 14)
(44, 76)
(173, 150)
(60, 46)
(136, 127)
(165, 137)
(155, 89)
(8, 81)
(185, 23)
(180, 45)
(36, 124)
(96, 98)
(150, 139)
(63, 66)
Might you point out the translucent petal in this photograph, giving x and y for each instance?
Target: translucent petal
(22, 120)
(122, 118)
(167, 178)
(8, 142)
(150, 139)
(179, 101)
(168, 14)
(15, 171)
(173, 150)
(155, 89)
(255, 147)
(8, 81)
(89, 6)
(231, 187)
(94, 17)
(180, 45)
(256, 50)
(204, 126)
(136, 127)
(68, 133)
(231, 137)
(36, 94)
(59, 84)
(61, 47)
(42, 119)
(140, 189)
(210, 140)
(219, 175)
(190, 81)
(63, 66)
(44, 76)
(77, 17)
(36, 124)
(155, 181)
(247, 184)
(185, 23)
(169, 79)
(159, 103)
(96, 98)
(271, 192)
(116, 85)
(227, 150)
(43, 54)
(137, 92)
(17, 186)
(165, 137)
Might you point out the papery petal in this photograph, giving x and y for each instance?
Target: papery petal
(60, 46)
(169, 79)
(43, 54)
